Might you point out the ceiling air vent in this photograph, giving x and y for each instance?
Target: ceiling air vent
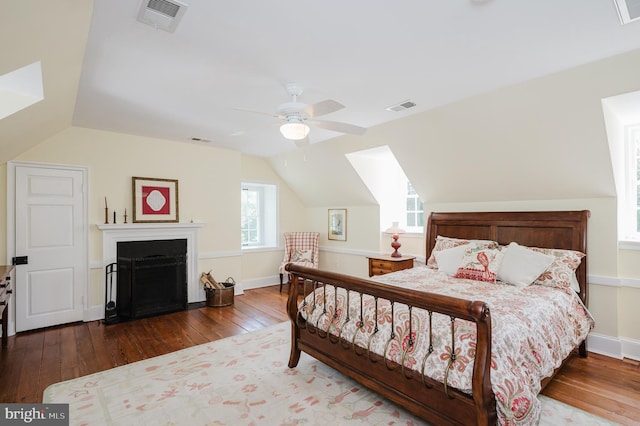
(161, 14)
(628, 10)
(401, 106)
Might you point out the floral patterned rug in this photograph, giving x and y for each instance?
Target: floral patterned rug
(242, 380)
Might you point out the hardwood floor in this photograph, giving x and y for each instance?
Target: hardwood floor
(32, 361)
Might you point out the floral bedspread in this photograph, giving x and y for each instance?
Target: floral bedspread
(533, 330)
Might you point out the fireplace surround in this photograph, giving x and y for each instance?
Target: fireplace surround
(114, 233)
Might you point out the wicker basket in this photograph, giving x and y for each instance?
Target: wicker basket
(221, 297)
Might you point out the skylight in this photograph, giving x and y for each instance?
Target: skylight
(20, 89)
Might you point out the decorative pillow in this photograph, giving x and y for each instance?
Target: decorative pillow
(443, 243)
(561, 273)
(521, 266)
(450, 259)
(480, 264)
(302, 256)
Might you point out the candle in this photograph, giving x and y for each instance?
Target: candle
(105, 202)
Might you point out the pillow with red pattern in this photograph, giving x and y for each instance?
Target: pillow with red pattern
(449, 259)
(480, 264)
(443, 243)
(561, 273)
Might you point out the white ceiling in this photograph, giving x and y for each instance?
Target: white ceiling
(365, 54)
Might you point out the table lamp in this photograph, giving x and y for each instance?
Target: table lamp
(395, 230)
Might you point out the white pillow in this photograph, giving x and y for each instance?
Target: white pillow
(521, 266)
(449, 260)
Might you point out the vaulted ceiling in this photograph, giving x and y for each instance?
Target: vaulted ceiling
(103, 69)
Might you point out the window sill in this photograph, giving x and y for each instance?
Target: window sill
(629, 245)
(405, 235)
(259, 248)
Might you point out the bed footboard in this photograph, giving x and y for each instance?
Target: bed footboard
(418, 393)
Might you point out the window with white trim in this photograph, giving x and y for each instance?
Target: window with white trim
(632, 184)
(399, 201)
(258, 215)
(415, 210)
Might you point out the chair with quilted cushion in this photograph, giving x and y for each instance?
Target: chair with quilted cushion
(300, 248)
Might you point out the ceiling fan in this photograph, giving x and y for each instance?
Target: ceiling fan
(296, 117)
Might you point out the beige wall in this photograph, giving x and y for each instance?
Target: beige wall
(629, 298)
(209, 192)
(3, 215)
(541, 144)
(258, 265)
(629, 264)
(363, 237)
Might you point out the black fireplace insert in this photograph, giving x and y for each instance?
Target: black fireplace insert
(151, 278)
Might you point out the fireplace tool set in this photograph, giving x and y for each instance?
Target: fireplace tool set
(110, 312)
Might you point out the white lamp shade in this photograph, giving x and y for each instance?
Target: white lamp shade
(294, 130)
(395, 229)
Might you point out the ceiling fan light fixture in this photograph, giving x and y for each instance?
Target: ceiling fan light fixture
(294, 130)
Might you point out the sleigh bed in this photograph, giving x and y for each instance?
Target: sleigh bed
(432, 342)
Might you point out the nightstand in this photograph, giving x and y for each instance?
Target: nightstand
(5, 294)
(383, 264)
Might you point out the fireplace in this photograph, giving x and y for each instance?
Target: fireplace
(112, 234)
(151, 277)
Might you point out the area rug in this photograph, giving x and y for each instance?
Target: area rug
(242, 380)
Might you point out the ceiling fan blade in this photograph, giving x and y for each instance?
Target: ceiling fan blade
(339, 127)
(303, 142)
(322, 108)
(258, 112)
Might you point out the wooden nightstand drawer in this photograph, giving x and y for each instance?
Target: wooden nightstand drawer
(379, 267)
(5, 294)
(5, 290)
(383, 264)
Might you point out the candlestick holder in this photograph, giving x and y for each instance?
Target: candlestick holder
(106, 215)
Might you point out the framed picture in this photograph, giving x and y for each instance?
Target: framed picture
(155, 200)
(338, 224)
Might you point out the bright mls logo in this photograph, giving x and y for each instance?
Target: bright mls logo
(37, 414)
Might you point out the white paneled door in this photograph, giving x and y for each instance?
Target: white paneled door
(50, 236)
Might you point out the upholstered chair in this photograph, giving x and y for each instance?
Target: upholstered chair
(300, 248)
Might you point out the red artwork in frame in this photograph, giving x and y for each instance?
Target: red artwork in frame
(155, 200)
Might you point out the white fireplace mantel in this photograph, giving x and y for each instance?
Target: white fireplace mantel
(112, 234)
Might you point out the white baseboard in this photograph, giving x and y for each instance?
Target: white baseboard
(630, 348)
(615, 347)
(260, 282)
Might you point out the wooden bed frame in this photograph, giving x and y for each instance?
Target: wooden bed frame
(422, 396)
